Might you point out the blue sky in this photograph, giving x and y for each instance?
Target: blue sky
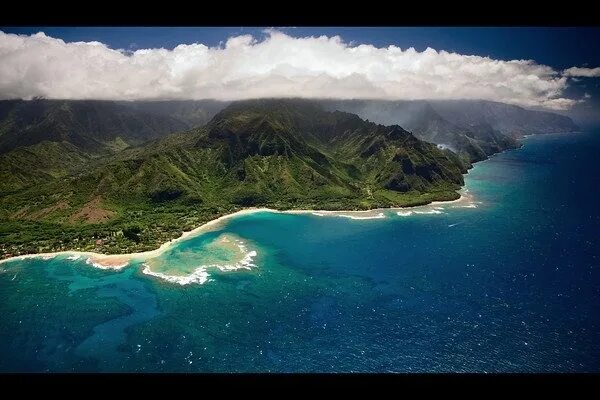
(559, 48)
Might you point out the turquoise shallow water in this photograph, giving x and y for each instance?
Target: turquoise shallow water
(512, 285)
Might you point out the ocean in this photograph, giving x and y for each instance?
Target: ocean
(506, 282)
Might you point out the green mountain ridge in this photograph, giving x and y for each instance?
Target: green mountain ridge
(99, 129)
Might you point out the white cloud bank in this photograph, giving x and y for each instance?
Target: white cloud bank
(582, 72)
(279, 66)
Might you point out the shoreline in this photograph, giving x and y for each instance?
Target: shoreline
(379, 211)
(120, 261)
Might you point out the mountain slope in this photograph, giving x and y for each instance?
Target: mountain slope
(32, 131)
(27, 166)
(92, 126)
(275, 153)
(475, 129)
(193, 113)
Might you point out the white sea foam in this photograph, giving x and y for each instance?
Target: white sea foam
(74, 257)
(96, 264)
(48, 256)
(199, 276)
(433, 211)
(358, 217)
(378, 216)
(244, 263)
(404, 213)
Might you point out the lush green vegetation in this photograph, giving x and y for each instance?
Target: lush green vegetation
(281, 154)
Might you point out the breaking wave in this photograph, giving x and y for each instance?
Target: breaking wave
(199, 276)
(96, 264)
(321, 214)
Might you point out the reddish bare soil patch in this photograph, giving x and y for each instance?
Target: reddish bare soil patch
(92, 212)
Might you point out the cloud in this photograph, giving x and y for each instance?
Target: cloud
(278, 66)
(582, 72)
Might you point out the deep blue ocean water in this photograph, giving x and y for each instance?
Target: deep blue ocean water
(510, 286)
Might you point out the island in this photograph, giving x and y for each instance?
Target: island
(125, 195)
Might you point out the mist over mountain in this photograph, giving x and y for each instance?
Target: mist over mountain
(508, 119)
(193, 113)
(90, 125)
(476, 129)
